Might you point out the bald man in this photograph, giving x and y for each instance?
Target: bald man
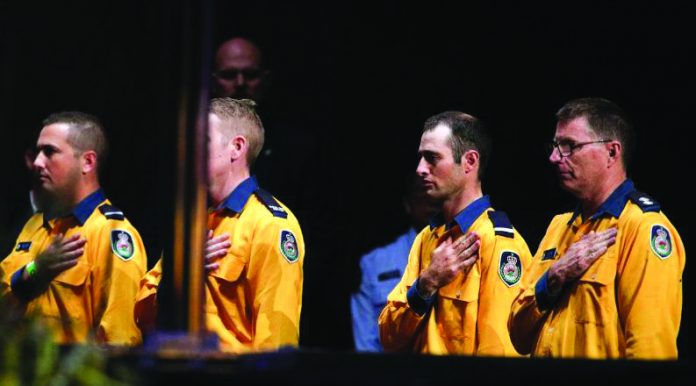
(239, 70)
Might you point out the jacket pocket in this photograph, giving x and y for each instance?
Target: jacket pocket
(70, 296)
(74, 277)
(226, 296)
(602, 272)
(458, 307)
(229, 272)
(593, 300)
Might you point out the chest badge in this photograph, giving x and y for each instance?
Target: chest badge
(660, 241)
(549, 254)
(510, 268)
(122, 244)
(23, 246)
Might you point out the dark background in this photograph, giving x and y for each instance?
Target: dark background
(362, 78)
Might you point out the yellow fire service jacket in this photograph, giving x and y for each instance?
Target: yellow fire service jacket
(626, 305)
(93, 300)
(253, 300)
(469, 315)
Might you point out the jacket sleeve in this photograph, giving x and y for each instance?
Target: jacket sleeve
(11, 269)
(526, 317)
(399, 323)
(526, 314)
(116, 276)
(497, 291)
(364, 313)
(649, 288)
(146, 300)
(8, 268)
(276, 278)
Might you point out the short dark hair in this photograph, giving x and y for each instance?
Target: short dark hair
(606, 119)
(86, 132)
(243, 110)
(468, 133)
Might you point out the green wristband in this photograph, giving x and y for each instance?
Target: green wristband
(31, 269)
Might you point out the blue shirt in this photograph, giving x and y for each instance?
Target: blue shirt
(382, 269)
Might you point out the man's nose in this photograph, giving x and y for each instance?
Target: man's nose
(422, 168)
(240, 79)
(39, 161)
(555, 155)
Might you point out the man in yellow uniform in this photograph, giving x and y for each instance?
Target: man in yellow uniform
(255, 251)
(606, 279)
(77, 263)
(463, 270)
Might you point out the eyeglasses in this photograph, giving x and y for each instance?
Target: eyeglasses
(566, 149)
(232, 74)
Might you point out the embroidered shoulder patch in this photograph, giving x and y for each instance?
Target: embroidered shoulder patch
(122, 244)
(510, 268)
(288, 246)
(660, 241)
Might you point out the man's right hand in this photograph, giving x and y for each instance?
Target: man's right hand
(60, 255)
(449, 259)
(579, 257)
(215, 248)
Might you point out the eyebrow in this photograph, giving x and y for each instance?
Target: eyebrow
(429, 153)
(40, 147)
(564, 138)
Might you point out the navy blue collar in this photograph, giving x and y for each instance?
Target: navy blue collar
(240, 195)
(613, 205)
(85, 207)
(466, 217)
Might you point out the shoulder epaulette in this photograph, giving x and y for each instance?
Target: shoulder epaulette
(501, 224)
(111, 212)
(271, 203)
(644, 201)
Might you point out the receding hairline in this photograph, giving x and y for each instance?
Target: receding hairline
(237, 46)
(443, 120)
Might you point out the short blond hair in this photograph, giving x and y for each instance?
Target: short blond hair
(239, 117)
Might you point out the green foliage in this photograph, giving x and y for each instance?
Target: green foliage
(28, 356)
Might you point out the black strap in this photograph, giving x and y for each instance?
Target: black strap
(271, 203)
(501, 224)
(111, 212)
(645, 202)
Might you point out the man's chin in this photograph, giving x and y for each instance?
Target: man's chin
(564, 179)
(240, 95)
(46, 191)
(568, 186)
(433, 194)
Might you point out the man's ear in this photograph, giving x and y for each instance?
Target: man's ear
(470, 160)
(238, 147)
(614, 153)
(89, 161)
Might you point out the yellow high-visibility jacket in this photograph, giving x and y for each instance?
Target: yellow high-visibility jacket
(626, 305)
(254, 299)
(469, 315)
(93, 300)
